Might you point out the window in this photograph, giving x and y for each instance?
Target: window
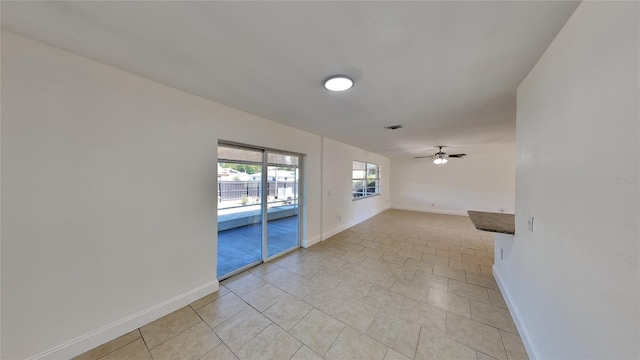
(365, 179)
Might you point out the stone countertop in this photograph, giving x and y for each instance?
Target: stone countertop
(493, 222)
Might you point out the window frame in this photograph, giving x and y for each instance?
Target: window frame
(364, 167)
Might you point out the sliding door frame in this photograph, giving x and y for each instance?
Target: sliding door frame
(263, 199)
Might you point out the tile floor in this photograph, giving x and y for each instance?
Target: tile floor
(401, 285)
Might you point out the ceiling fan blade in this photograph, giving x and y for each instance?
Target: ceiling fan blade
(425, 157)
(457, 155)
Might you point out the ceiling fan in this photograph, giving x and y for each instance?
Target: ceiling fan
(441, 157)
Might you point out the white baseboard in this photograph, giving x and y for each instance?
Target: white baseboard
(330, 233)
(515, 314)
(109, 332)
(428, 210)
(310, 242)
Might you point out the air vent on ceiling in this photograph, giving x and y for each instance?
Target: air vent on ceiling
(394, 127)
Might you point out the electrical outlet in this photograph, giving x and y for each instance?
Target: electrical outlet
(530, 223)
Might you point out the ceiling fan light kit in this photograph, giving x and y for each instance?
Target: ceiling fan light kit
(440, 157)
(440, 161)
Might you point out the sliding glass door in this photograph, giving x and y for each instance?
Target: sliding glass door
(282, 204)
(258, 211)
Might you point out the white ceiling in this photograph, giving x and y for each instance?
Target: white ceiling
(448, 71)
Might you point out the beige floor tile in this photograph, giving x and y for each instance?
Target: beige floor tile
(354, 288)
(355, 313)
(132, 351)
(451, 273)
(287, 312)
(403, 244)
(241, 327)
(354, 248)
(482, 356)
(384, 298)
(221, 309)
(374, 264)
(304, 353)
(492, 315)
(306, 269)
(476, 335)
(168, 326)
(355, 258)
(327, 278)
(243, 283)
(395, 332)
(393, 258)
(271, 344)
(480, 260)
(425, 249)
(411, 290)
(369, 244)
(419, 265)
(209, 298)
(486, 270)
(412, 254)
(514, 346)
(449, 254)
(450, 302)
(394, 355)
(423, 314)
(326, 299)
(496, 298)
(109, 347)
(466, 266)
(220, 352)
(353, 344)
(264, 269)
(352, 270)
(434, 345)
(189, 344)
(294, 284)
(469, 290)
(334, 252)
(387, 248)
(482, 280)
(372, 253)
(400, 272)
(317, 330)
(438, 245)
(263, 297)
(431, 280)
(462, 250)
(486, 254)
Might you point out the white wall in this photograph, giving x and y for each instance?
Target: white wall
(484, 180)
(340, 211)
(109, 196)
(573, 282)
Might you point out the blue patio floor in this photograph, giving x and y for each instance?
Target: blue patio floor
(242, 246)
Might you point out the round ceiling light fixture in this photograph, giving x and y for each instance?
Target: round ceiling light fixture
(338, 83)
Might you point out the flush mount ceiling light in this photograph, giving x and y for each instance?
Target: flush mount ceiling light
(338, 83)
